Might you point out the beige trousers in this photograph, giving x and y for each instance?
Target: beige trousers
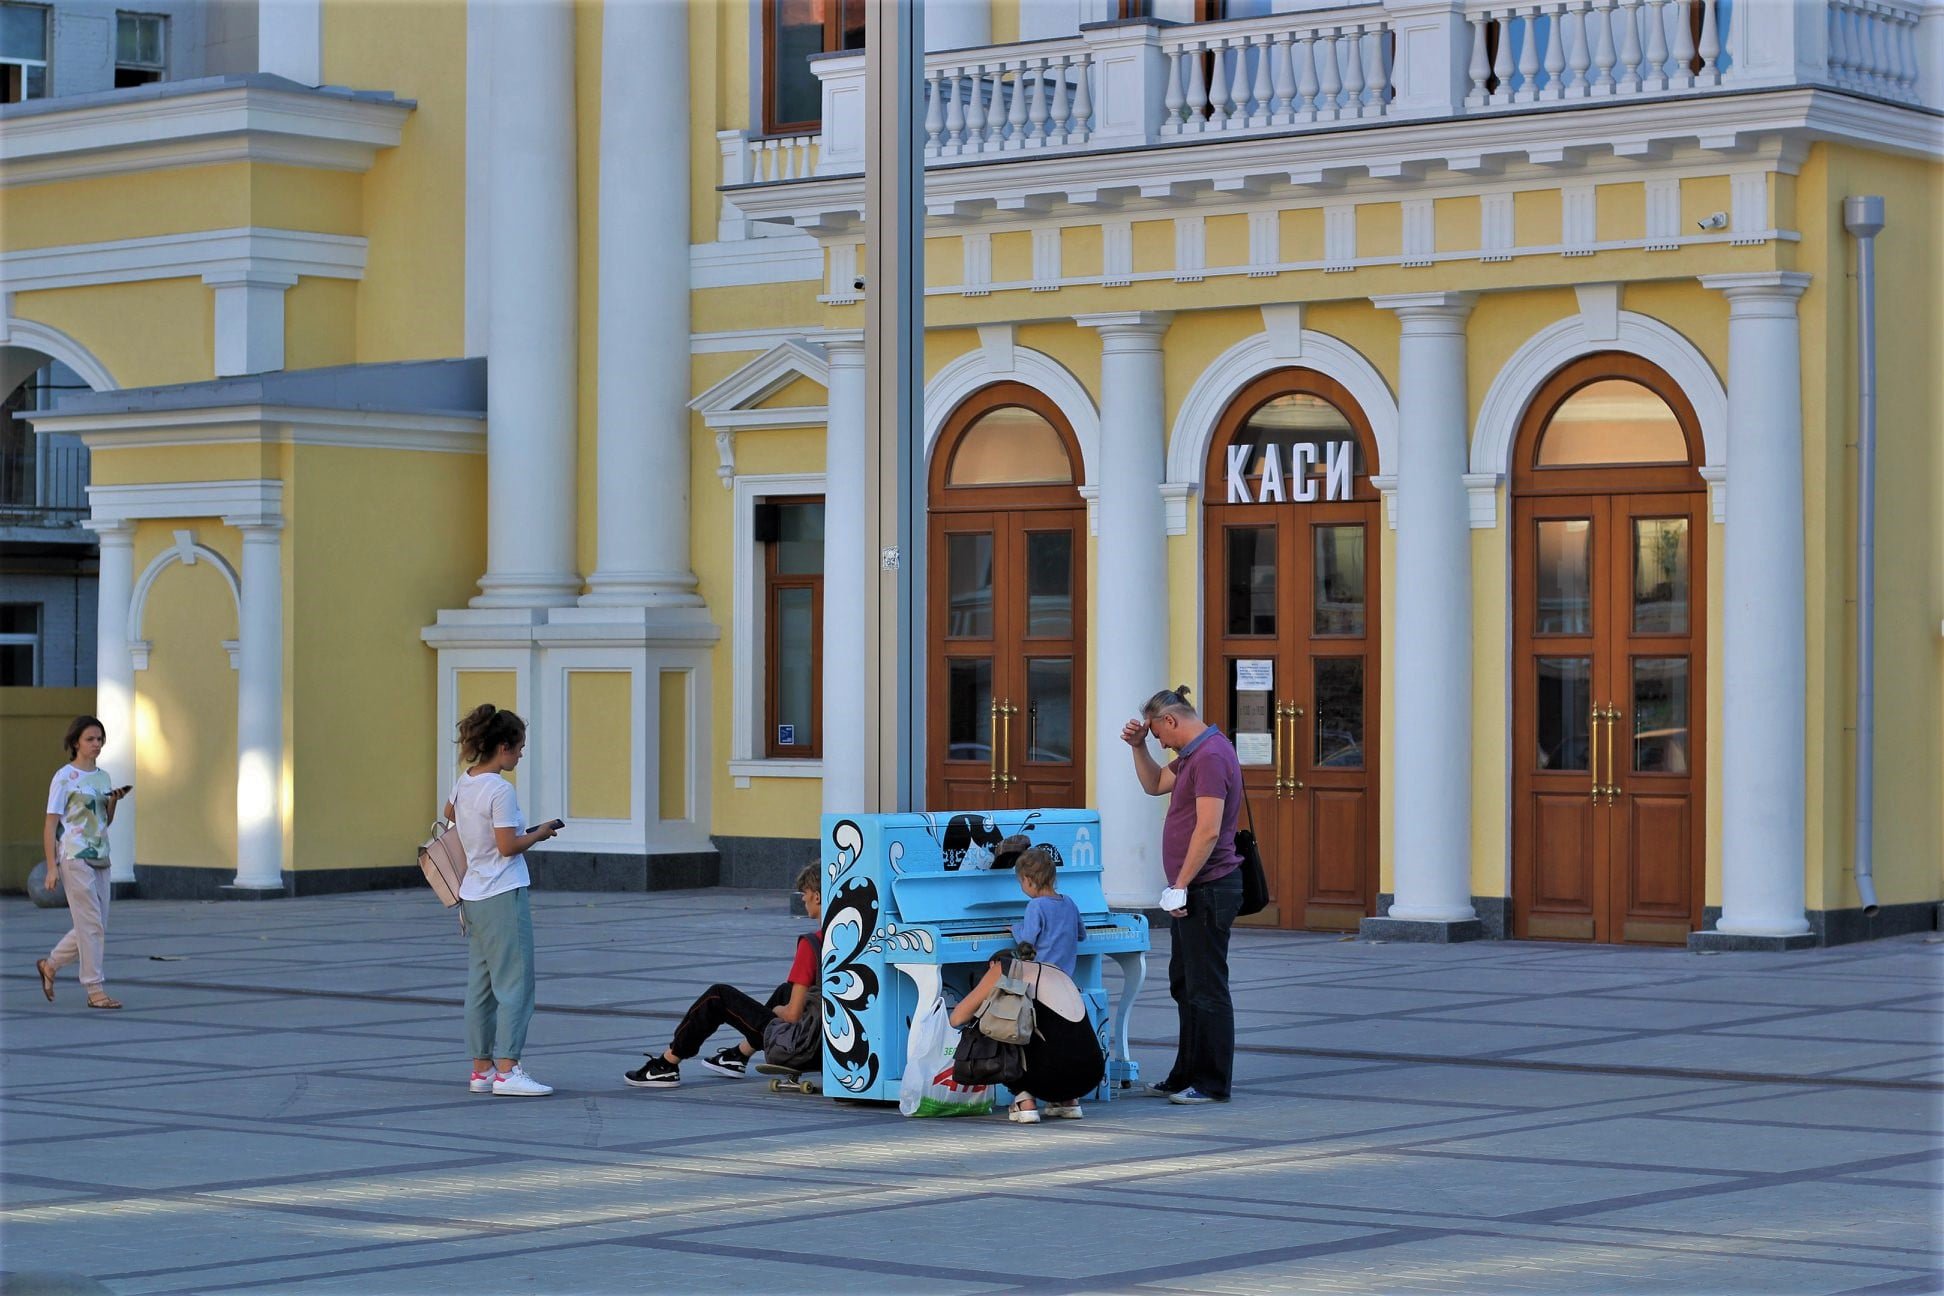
(87, 890)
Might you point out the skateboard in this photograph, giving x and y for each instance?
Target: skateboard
(791, 1080)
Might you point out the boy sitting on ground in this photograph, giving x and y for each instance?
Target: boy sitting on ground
(722, 1005)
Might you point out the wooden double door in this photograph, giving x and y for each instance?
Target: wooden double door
(1608, 716)
(1292, 656)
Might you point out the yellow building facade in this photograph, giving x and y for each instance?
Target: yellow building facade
(1463, 400)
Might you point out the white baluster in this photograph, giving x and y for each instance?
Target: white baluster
(1653, 76)
(1481, 67)
(1629, 13)
(1353, 75)
(1058, 113)
(954, 115)
(1284, 110)
(1502, 59)
(1036, 106)
(1578, 57)
(1881, 56)
(1710, 47)
(1197, 89)
(1839, 56)
(1306, 83)
(1529, 58)
(934, 109)
(1080, 124)
(1683, 71)
(1602, 46)
(1377, 75)
(1907, 58)
(1555, 87)
(1327, 100)
(1262, 96)
(1218, 88)
(1016, 112)
(1173, 99)
(975, 113)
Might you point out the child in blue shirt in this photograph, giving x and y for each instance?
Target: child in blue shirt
(1052, 923)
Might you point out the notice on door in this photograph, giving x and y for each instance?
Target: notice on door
(1252, 742)
(1255, 675)
(1254, 749)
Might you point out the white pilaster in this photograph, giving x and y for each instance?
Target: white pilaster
(1764, 653)
(249, 320)
(957, 24)
(532, 254)
(1431, 729)
(259, 706)
(115, 682)
(850, 573)
(642, 394)
(1130, 661)
(290, 40)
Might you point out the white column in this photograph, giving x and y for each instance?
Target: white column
(532, 264)
(259, 707)
(850, 575)
(643, 383)
(1763, 652)
(1130, 641)
(115, 682)
(1432, 721)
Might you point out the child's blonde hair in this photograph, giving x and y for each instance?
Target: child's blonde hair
(1036, 866)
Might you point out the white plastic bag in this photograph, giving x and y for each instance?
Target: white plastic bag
(927, 1088)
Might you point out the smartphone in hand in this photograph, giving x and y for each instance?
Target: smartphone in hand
(555, 824)
(122, 791)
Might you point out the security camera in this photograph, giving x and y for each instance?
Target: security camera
(857, 284)
(1713, 221)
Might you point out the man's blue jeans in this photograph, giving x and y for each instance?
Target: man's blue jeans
(1198, 978)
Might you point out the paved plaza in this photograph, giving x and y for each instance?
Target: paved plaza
(282, 1107)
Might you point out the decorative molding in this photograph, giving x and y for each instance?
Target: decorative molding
(197, 123)
(50, 341)
(1578, 217)
(1420, 239)
(1481, 497)
(1091, 494)
(1174, 505)
(842, 278)
(1339, 237)
(1748, 205)
(1386, 486)
(260, 500)
(998, 341)
(1191, 248)
(730, 341)
(1046, 258)
(244, 254)
(795, 258)
(1599, 306)
(976, 258)
(1567, 340)
(746, 625)
(1252, 357)
(1116, 253)
(1716, 475)
(1663, 214)
(1496, 238)
(1282, 323)
(1265, 242)
(187, 552)
(972, 371)
(726, 402)
(270, 425)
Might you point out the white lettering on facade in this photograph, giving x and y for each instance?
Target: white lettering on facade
(1238, 483)
(1272, 476)
(1302, 470)
(1336, 483)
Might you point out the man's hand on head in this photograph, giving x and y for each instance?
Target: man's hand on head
(1135, 733)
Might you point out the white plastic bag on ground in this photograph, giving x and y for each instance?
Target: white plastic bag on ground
(927, 1088)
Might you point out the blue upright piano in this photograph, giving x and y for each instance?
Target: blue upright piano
(913, 908)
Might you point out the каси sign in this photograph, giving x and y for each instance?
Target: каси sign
(1300, 484)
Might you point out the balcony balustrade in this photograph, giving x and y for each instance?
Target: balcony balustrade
(1143, 82)
(43, 483)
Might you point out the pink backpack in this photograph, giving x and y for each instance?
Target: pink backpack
(443, 858)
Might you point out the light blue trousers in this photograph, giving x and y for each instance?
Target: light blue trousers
(499, 997)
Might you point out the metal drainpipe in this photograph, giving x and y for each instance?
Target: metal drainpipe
(1863, 218)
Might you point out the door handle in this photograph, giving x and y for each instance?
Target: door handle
(1006, 712)
(1613, 773)
(1295, 714)
(1282, 748)
(993, 744)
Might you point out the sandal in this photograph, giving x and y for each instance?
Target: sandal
(103, 1001)
(47, 978)
(1021, 1114)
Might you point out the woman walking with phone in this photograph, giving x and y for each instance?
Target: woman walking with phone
(80, 805)
(485, 811)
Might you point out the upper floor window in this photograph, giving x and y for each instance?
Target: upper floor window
(793, 31)
(19, 644)
(23, 52)
(792, 531)
(141, 49)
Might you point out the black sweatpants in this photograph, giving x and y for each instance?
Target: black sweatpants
(724, 1005)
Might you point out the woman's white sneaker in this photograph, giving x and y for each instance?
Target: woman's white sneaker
(518, 1084)
(482, 1081)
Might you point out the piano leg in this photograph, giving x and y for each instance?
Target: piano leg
(1122, 1069)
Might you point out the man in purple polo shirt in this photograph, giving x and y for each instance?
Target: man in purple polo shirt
(1203, 785)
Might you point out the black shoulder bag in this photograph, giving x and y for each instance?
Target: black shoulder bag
(1255, 884)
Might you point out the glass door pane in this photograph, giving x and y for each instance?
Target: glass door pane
(1049, 584)
(1251, 581)
(1049, 710)
(1337, 602)
(1564, 582)
(1660, 576)
(1660, 715)
(1338, 706)
(1564, 712)
(969, 568)
(968, 709)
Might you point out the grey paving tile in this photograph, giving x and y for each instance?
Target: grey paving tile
(1645, 1141)
(195, 1157)
(1834, 1211)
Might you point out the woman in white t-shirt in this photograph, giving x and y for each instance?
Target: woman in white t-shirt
(486, 813)
(80, 805)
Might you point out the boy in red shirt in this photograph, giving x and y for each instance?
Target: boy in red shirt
(722, 1005)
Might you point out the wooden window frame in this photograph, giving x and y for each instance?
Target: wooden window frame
(773, 584)
(833, 42)
(1528, 478)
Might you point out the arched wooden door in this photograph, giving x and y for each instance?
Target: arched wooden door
(1291, 605)
(1609, 658)
(1007, 617)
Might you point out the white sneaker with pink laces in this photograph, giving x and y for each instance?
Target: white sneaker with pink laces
(518, 1084)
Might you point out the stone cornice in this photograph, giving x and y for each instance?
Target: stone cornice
(271, 425)
(246, 254)
(219, 119)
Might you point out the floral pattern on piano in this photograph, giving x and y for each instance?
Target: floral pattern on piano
(850, 985)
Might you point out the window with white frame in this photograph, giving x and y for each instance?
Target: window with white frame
(19, 645)
(141, 49)
(23, 52)
(791, 531)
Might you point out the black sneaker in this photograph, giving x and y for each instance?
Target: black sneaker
(656, 1073)
(729, 1062)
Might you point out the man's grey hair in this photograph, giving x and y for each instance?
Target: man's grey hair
(1172, 701)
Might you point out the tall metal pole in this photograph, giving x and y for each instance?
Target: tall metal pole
(894, 334)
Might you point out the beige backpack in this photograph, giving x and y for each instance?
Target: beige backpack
(443, 858)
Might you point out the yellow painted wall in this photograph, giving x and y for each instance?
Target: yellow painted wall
(600, 744)
(159, 331)
(358, 591)
(672, 764)
(185, 705)
(412, 301)
(321, 324)
(32, 723)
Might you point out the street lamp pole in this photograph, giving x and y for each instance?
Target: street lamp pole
(894, 336)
